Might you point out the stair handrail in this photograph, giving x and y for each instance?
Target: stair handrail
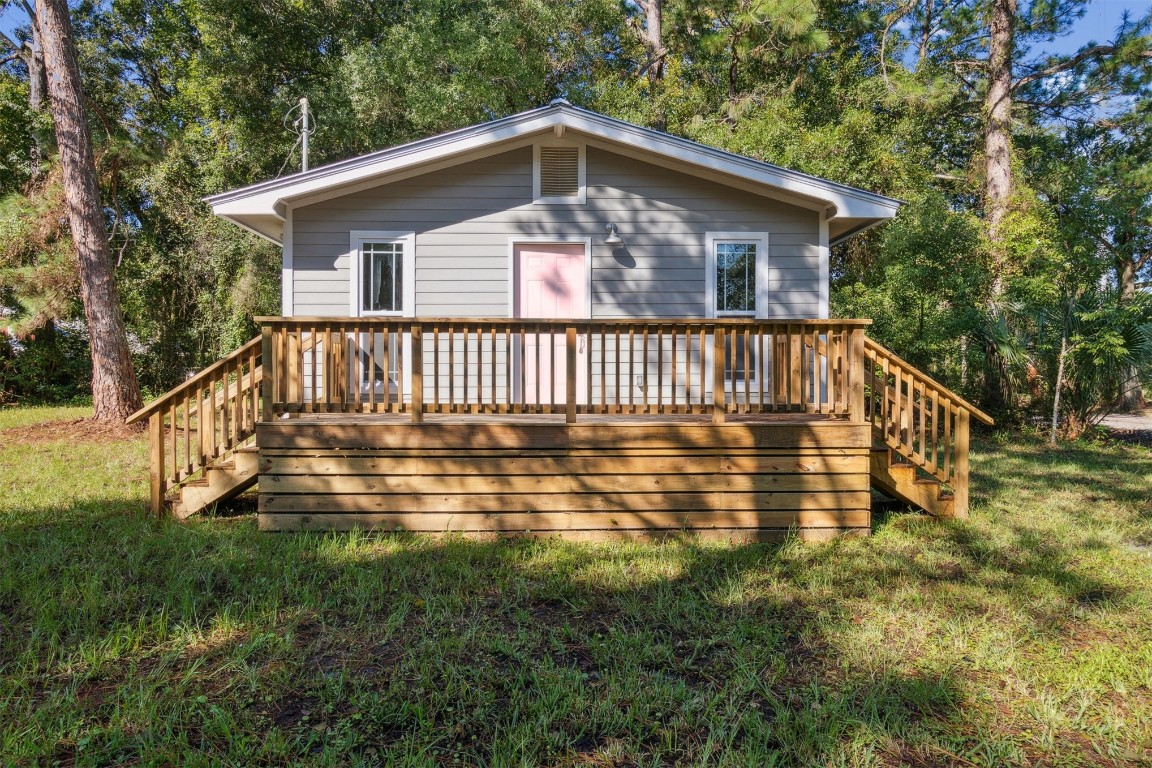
(920, 419)
(207, 417)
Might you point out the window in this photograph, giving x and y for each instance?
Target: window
(558, 174)
(383, 272)
(736, 274)
(735, 278)
(383, 277)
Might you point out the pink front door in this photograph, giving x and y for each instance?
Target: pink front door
(551, 283)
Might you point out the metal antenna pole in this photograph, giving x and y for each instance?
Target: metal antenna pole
(305, 129)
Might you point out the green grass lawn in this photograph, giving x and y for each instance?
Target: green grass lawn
(1020, 637)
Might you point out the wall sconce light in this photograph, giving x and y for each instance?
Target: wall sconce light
(613, 235)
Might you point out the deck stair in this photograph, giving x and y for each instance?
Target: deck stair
(221, 481)
(202, 435)
(920, 433)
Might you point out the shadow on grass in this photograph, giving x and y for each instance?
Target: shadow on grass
(334, 649)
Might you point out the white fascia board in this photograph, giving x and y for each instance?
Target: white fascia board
(269, 198)
(848, 201)
(263, 198)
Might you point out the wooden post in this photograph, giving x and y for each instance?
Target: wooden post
(717, 375)
(960, 478)
(417, 373)
(570, 378)
(267, 367)
(156, 462)
(856, 374)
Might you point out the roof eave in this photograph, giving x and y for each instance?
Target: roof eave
(270, 197)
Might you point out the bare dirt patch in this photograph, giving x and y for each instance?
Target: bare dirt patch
(77, 430)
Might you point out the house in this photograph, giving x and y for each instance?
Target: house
(559, 322)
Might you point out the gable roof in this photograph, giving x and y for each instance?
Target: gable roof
(262, 207)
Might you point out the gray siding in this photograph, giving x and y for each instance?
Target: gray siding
(463, 217)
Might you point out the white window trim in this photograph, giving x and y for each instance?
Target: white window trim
(761, 241)
(357, 238)
(514, 274)
(581, 173)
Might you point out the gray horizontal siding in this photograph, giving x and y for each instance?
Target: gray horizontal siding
(464, 216)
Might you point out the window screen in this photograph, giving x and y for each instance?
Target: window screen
(735, 277)
(383, 277)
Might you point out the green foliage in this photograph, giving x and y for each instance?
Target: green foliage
(49, 365)
(188, 98)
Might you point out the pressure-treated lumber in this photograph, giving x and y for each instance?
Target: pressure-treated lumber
(586, 481)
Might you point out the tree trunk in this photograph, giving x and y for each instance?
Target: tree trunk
(653, 37)
(1059, 382)
(36, 87)
(997, 138)
(115, 392)
(926, 29)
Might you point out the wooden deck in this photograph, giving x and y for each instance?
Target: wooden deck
(752, 479)
(734, 429)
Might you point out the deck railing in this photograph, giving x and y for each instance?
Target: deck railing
(507, 366)
(502, 366)
(919, 418)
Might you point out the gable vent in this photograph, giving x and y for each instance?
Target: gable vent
(559, 171)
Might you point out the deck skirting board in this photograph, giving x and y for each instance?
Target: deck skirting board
(731, 482)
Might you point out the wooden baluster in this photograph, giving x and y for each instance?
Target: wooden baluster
(948, 438)
(173, 469)
(729, 364)
(237, 411)
(386, 342)
(401, 367)
(747, 335)
(910, 413)
(586, 338)
(250, 395)
(354, 361)
(187, 435)
(570, 378)
(933, 427)
(201, 431)
(369, 378)
(631, 368)
(921, 452)
(508, 394)
(436, 368)
(451, 367)
(675, 367)
(856, 374)
(703, 403)
(465, 399)
(646, 392)
(268, 365)
(417, 373)
(718, 342)
(522, 368)
(617, 365)
(156, 480)
(554, 384)
(492, 347)
(758, 363)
